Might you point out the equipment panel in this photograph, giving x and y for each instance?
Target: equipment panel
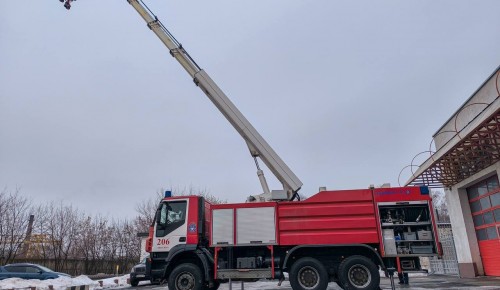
(222, 227)
(407, 229)
(255, 226)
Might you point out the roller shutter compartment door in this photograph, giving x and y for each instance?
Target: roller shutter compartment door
(484, 200)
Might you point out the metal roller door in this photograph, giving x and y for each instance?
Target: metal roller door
(484, 200)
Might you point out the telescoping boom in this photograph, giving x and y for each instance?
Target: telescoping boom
(257, 145)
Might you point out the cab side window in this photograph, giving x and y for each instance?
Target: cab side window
(172, 215)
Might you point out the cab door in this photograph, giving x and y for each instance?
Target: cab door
(171, 225)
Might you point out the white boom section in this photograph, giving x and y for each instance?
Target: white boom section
(257, 145)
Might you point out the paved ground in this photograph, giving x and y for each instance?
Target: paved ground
(436, 282)
(446, 282)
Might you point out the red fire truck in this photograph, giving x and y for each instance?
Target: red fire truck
(344, 236)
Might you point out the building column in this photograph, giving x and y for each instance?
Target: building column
(464, 234)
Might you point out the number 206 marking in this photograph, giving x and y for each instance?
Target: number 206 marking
(162, 242)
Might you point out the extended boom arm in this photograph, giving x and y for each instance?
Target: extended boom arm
(257, 145)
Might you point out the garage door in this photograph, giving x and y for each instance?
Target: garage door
(484, 200)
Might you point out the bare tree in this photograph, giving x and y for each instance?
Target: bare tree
(100, 237)
(14, 220)
(62, 227)
(85, 243)
(40, 240)
(128, 251)
(96, 238)
(55, 228)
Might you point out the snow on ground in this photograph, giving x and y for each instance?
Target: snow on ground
(63, 282)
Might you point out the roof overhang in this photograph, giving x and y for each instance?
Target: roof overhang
(471, 150)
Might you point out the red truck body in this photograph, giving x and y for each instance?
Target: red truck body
(328, 217)
(332, 217)
(337, 230)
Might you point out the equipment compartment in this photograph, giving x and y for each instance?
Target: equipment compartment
(407, 229)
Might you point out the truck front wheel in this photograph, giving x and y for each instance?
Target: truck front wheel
(358, 273)
(308, 274)
(185, 277)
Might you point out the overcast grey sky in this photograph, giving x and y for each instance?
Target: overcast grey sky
(95, 112)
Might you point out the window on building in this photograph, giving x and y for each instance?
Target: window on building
(484, 201)
(482, 189)
(475, 206)
(495, 199)
(492, 184)
(472, 193)
(497, 215)
(492, 233)
(482, 235)
(478, 220)
(488, 218)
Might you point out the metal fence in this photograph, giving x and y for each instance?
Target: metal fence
(448, 264)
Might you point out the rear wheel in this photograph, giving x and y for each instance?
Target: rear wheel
(358, 273)
(308, 274)
(185, 277)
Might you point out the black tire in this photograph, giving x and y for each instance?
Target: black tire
(358, 273)
(185, 277)
(308, 274)
(134, 282)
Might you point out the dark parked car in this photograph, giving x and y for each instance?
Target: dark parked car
(139, 273)
(28, 271)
